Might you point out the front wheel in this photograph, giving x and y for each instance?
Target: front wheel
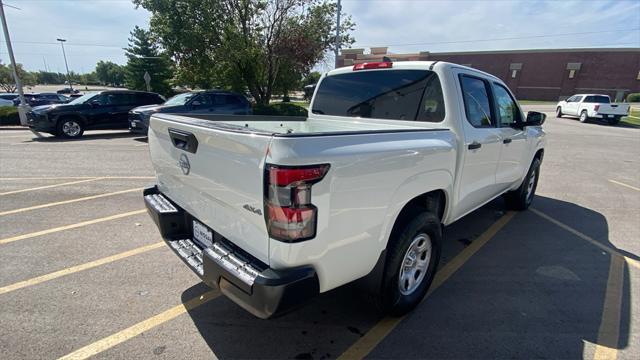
(584, 116)
(70, 128)
(559, 112)
(412, 260)
(522, 197)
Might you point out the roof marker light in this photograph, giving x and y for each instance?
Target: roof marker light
(373, 65)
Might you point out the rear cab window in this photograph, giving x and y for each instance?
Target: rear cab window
(597, 99)
(412, 95)
(477, 101)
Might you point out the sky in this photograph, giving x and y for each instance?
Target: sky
(98, 29)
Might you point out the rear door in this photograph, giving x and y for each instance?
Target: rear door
(482, 144)
(220, 183)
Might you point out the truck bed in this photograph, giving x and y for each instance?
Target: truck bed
(295, 125)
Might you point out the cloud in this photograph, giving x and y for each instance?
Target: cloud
(379, 23)
(393, 23)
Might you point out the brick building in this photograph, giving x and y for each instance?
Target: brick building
(537, 74)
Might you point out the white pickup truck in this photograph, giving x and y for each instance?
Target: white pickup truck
(592, 106)
(274, 210)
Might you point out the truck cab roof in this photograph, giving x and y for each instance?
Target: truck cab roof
(415, 65)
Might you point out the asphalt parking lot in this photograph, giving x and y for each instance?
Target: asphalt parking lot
(83, 271)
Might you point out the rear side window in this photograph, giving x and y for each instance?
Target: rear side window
(597, 99)
(477, 105)
(384, 94)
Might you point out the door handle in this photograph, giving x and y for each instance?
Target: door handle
(474, 145)
(506, 141)
(183, 140)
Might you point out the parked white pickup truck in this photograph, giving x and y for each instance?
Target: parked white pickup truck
(274, 210)
(591, 106)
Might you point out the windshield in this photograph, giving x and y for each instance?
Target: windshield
(394, 95)
(83, 99)
(180, 99)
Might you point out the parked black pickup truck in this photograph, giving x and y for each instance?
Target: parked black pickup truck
(92, 111)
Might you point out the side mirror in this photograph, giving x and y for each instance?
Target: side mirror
(195, 103)
(535, 118)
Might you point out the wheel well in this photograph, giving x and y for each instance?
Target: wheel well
(433, 201)
(539, 155)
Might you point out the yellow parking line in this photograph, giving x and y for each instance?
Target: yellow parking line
(609, 331)
(625, 185)
(68, 201)
(68, 227)
(379, 331)
(77, 268)
(137, 329)
(77, 177)
(49, 186)
(630, 261)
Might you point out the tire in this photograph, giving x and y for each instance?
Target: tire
(614, 121)
(521, 198)
(584, 116)
(559, 112)
(70, 128)
(421, 235)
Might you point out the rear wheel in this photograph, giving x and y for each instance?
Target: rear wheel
(559, 112)
(584, 116)
(522, 197)
(70, 128)
(412, 260)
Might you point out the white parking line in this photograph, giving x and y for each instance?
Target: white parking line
(48, 186)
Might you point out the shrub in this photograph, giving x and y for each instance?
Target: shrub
(280, 109)
(9, 115)
(633, 97)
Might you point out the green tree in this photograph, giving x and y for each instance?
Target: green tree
(144, 55)
(110, 73)
(311, 78)
(47, 77)
(257, 45)
(7, 82)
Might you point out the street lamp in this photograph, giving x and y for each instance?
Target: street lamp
(65, 63)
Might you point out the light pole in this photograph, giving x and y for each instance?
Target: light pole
(23, 108)
(65, 63)
(337, 49)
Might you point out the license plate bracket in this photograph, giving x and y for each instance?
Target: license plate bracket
(202, 234)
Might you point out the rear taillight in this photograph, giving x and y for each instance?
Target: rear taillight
(596, 108)
(289, 214)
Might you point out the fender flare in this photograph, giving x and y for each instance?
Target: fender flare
(410, 189)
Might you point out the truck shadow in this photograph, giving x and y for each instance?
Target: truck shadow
(535, 289)
(86, 137)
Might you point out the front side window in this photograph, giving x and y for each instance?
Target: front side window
(476, 101)
(508, 112)
(382, 94)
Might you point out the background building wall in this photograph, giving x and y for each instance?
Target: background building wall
(539, 74)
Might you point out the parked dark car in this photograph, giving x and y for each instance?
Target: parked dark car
(37, 99)
(92, 111)
(197, 102)
(68, 91)
(8, 96)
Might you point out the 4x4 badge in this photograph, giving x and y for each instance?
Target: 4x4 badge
(184, 164)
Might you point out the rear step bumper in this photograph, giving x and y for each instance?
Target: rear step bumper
(262, 291)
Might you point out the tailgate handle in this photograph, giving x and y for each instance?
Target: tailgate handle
(183, 140)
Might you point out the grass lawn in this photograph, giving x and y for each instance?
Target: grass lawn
(536, 102)
(633, 118)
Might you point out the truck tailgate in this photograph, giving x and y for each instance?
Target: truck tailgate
(220, 183)
(613, 109)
